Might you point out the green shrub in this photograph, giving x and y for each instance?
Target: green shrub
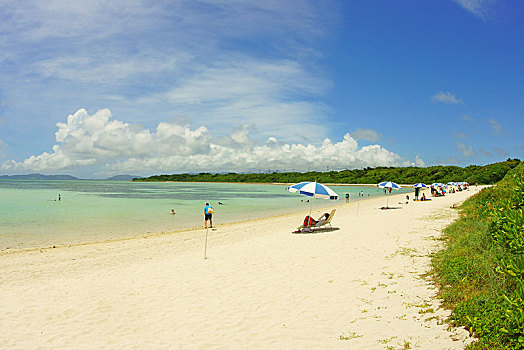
(481, 269)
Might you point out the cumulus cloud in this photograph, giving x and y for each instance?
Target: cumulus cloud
(366, 134)
(446, 97)
(119, 147)
(467, 151)
(228, 62)
(479, 8)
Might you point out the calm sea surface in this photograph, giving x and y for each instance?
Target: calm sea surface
(31, 215)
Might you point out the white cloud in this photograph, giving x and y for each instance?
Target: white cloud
(501, 152)
(98, 140)
(277, 97)
(366, 134)
(418, 161)
(108, 68)
(460, 135)
(446, 97)
(467, 151)
(469, 118)
(479, 8)
(496, 127)
(223, 64)
(485, 153)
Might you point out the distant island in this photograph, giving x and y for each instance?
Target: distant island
(481, 174)
(64, 177)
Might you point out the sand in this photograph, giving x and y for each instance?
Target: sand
(360, 285)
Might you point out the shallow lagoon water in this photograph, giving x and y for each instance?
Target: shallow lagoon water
(31, 215)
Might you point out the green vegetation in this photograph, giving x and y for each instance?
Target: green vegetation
(487, 174)
(481, 270)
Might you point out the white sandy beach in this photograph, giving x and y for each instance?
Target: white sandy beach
(360, 286)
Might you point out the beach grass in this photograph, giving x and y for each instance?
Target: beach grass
(479, 270)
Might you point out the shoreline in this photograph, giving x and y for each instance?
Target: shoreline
(357, 285)
(294, 211)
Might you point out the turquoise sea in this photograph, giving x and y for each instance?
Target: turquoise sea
(31, 215)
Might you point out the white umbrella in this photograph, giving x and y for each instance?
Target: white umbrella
(390, 185)
(313, 189)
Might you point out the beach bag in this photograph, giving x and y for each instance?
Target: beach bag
(210, 211)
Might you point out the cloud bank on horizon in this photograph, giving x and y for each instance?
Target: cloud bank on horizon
(118, 147)
(215, 85)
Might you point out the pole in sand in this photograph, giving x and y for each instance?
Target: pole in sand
(205, 248)
(358, 206)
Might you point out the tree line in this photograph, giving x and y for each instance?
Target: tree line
(481, 174)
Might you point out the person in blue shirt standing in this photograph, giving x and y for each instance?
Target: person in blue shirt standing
(208, 215)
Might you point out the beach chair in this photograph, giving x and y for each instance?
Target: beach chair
(321, 223)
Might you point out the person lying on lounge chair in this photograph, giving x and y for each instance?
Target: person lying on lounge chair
(310, 223)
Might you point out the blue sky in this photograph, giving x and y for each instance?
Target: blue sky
(93, 88)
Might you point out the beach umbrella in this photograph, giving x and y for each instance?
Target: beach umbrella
(437, 184)
(314, 190)
(389, 185)
(419, 185)
(452, 183)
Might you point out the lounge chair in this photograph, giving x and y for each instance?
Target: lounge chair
(320, 223)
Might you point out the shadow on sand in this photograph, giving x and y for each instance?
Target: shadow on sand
(318, 230)
(386, 208)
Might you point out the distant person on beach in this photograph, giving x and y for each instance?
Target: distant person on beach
(173, 211)
(347, 197)
(423, 197)
(208, 215)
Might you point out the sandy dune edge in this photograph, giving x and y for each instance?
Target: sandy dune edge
(358, 286)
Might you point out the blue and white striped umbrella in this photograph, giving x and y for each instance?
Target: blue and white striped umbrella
(437, 184)
(420, 185)
(389, 184)
(452, 183)
(313, 189)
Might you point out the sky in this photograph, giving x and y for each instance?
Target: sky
(97, 88)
